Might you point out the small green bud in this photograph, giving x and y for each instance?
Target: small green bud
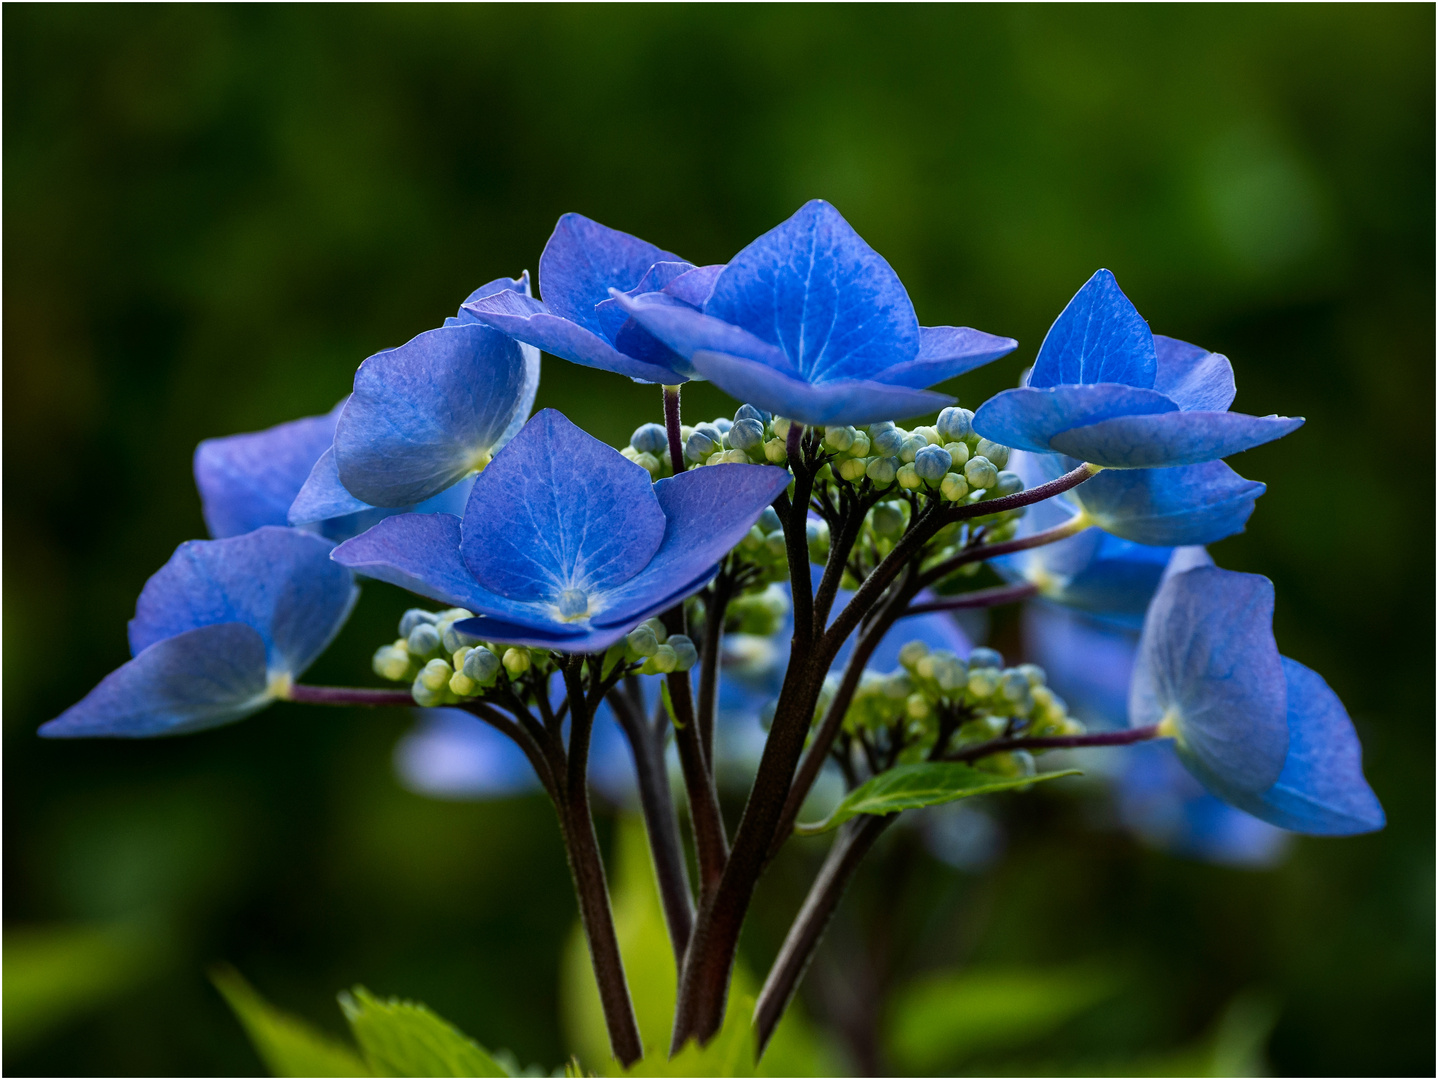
(649, 439)
(516, 662)
(980, 472)
(462, 685)
(931, 434)
(685, 654)
(888, 520)
(883, 470)
(861, 445)
(959, 451)
(816, 534)
(852, 469)
(954, 487)
(423, 640)
(983, 682)
(888, 441)
(898, 686)
(733, 457)
(1033, 673)
(908, 478)
(1013, 685)
(769, 520)
(917, 707)
(642, 641)
(776, 452)
(951, 673)
(751, 412)
(435, 675)
(662, 662)
(984, 657)
(392, 663)
(838, 439)
(781, 428)
(1008, 484)
(746, 434)
(996, 453)
(424, 696)
(912, 653)
(774, 545)
(753, 540)
(661, 633)
(412, 618)
(649, 463)
(911, 446)
(955, 424)
(702, 445)
(453, 640)
(481, 666)
(931, 463)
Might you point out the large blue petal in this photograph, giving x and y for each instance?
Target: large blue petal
(843, 401)
(279, 582)
(695, 286)
(426, 414)
(556, 510)
(1190, 504)
(1028, 419)
(583, 260)
(688, 331)
(489, 288)
(813, 288)
(1098, 338)
(707, 511)
(1207, 663)
(528, 320)
(947, 351)
(1321, 789)
(658, 277)
(1177, 438)
(246, 481)
(1196, 379)
(340, 515)
(200, 678)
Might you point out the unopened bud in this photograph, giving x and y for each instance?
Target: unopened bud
(642, 641)
(661, 634)
(898, 686)
(701, 446)
(888, 441)
(983, 682)
(912, 653)
(984, 657)
(781, 427)
(931, 434)
(414, 617)
(1008, 484)
(888, 520)
(751, 412)
(769, 520)
(462, 685)
(423, 640)
(861, 445)
(883, 471)
(648, 462)
(955, 424)
(908, 478)
(746, 434)
(995, 452)
(954, 487)
(775, 545)
(816, 534)
(424, 696)
(516, 662)
(453, 640)
(435, 675)
(931, 463)
(917, 706)
(685, 654)
(481, 666)
(1013, 685)
(980, 472)
(649, 439)
(852, 469)
(392, 663)
(662, 662)
(1033, 673)
(838, 439)
(959, 451)
(776, 452)
(911, 446)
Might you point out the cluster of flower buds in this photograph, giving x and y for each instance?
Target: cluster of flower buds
(753, 437)
(649, 448)
(986, 699)
(760, 612)
(444, 666)
(658, 651)
(763, 548)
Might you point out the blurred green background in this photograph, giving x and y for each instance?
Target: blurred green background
(212, 214)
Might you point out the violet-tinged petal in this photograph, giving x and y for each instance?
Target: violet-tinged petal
(1208, 667)
(559, 510)
(945, 352)
(1099, 337)
(1029, 419)
(812, 287)
(695, 286)
(1321, 789)
(611, 316)
(707, 511)
(489, 288)
(1196, 379)
(846, 401)
(200, 678)
(1188, 504)
(323, 496)
(249, 480)
(529, 321)
(688, 331)
(279, 582)
(1162, 440)
(583, 260)
(426, 414)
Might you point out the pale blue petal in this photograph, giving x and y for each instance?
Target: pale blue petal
(947, 351)
(1029, 419)
(1098, 338)
(813, 288)
(558, 509)
(583, 260)
(452, 755)
(1196, 379)
(1161, 440)
(279, 582)
(1190, 504)
(1088, 660)
(246, 481)
(1208, 662)
(854, 401)
(423, 415)
(200, 678)
(323, 496)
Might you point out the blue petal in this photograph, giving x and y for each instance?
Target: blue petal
(695, 286)
(453, 755)
(1088, 661)
(1029, 419)
(489, 288)
(340, 515)
(1196, 379)
(279, 582)
(199, 678)
(1207, 662)
(1098, 338)
(947, 351)
(583, 260)
(688, 331)
(1161, 440)
(658, 277)
(815, 289)
(1321, 789)
(848, 401)
(424, 415)
(246, 481)
(558, 509)
(1190, 504)
(527, 320)
(707, 511)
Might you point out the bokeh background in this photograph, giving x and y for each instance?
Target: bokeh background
(212, 214)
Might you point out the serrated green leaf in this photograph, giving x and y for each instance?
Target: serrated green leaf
(287, 1045)
(405, 1038)
(928, 783)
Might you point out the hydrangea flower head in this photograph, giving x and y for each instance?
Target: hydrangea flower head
(811, 323)
(565, 543)
(1106, 390)
(1257, 729)
(219, 632)
(578, 320)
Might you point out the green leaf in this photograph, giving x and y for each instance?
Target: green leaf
(287, 1045)
(668, 702)
(404, 1038)
(946, 1017)
(929, 783)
